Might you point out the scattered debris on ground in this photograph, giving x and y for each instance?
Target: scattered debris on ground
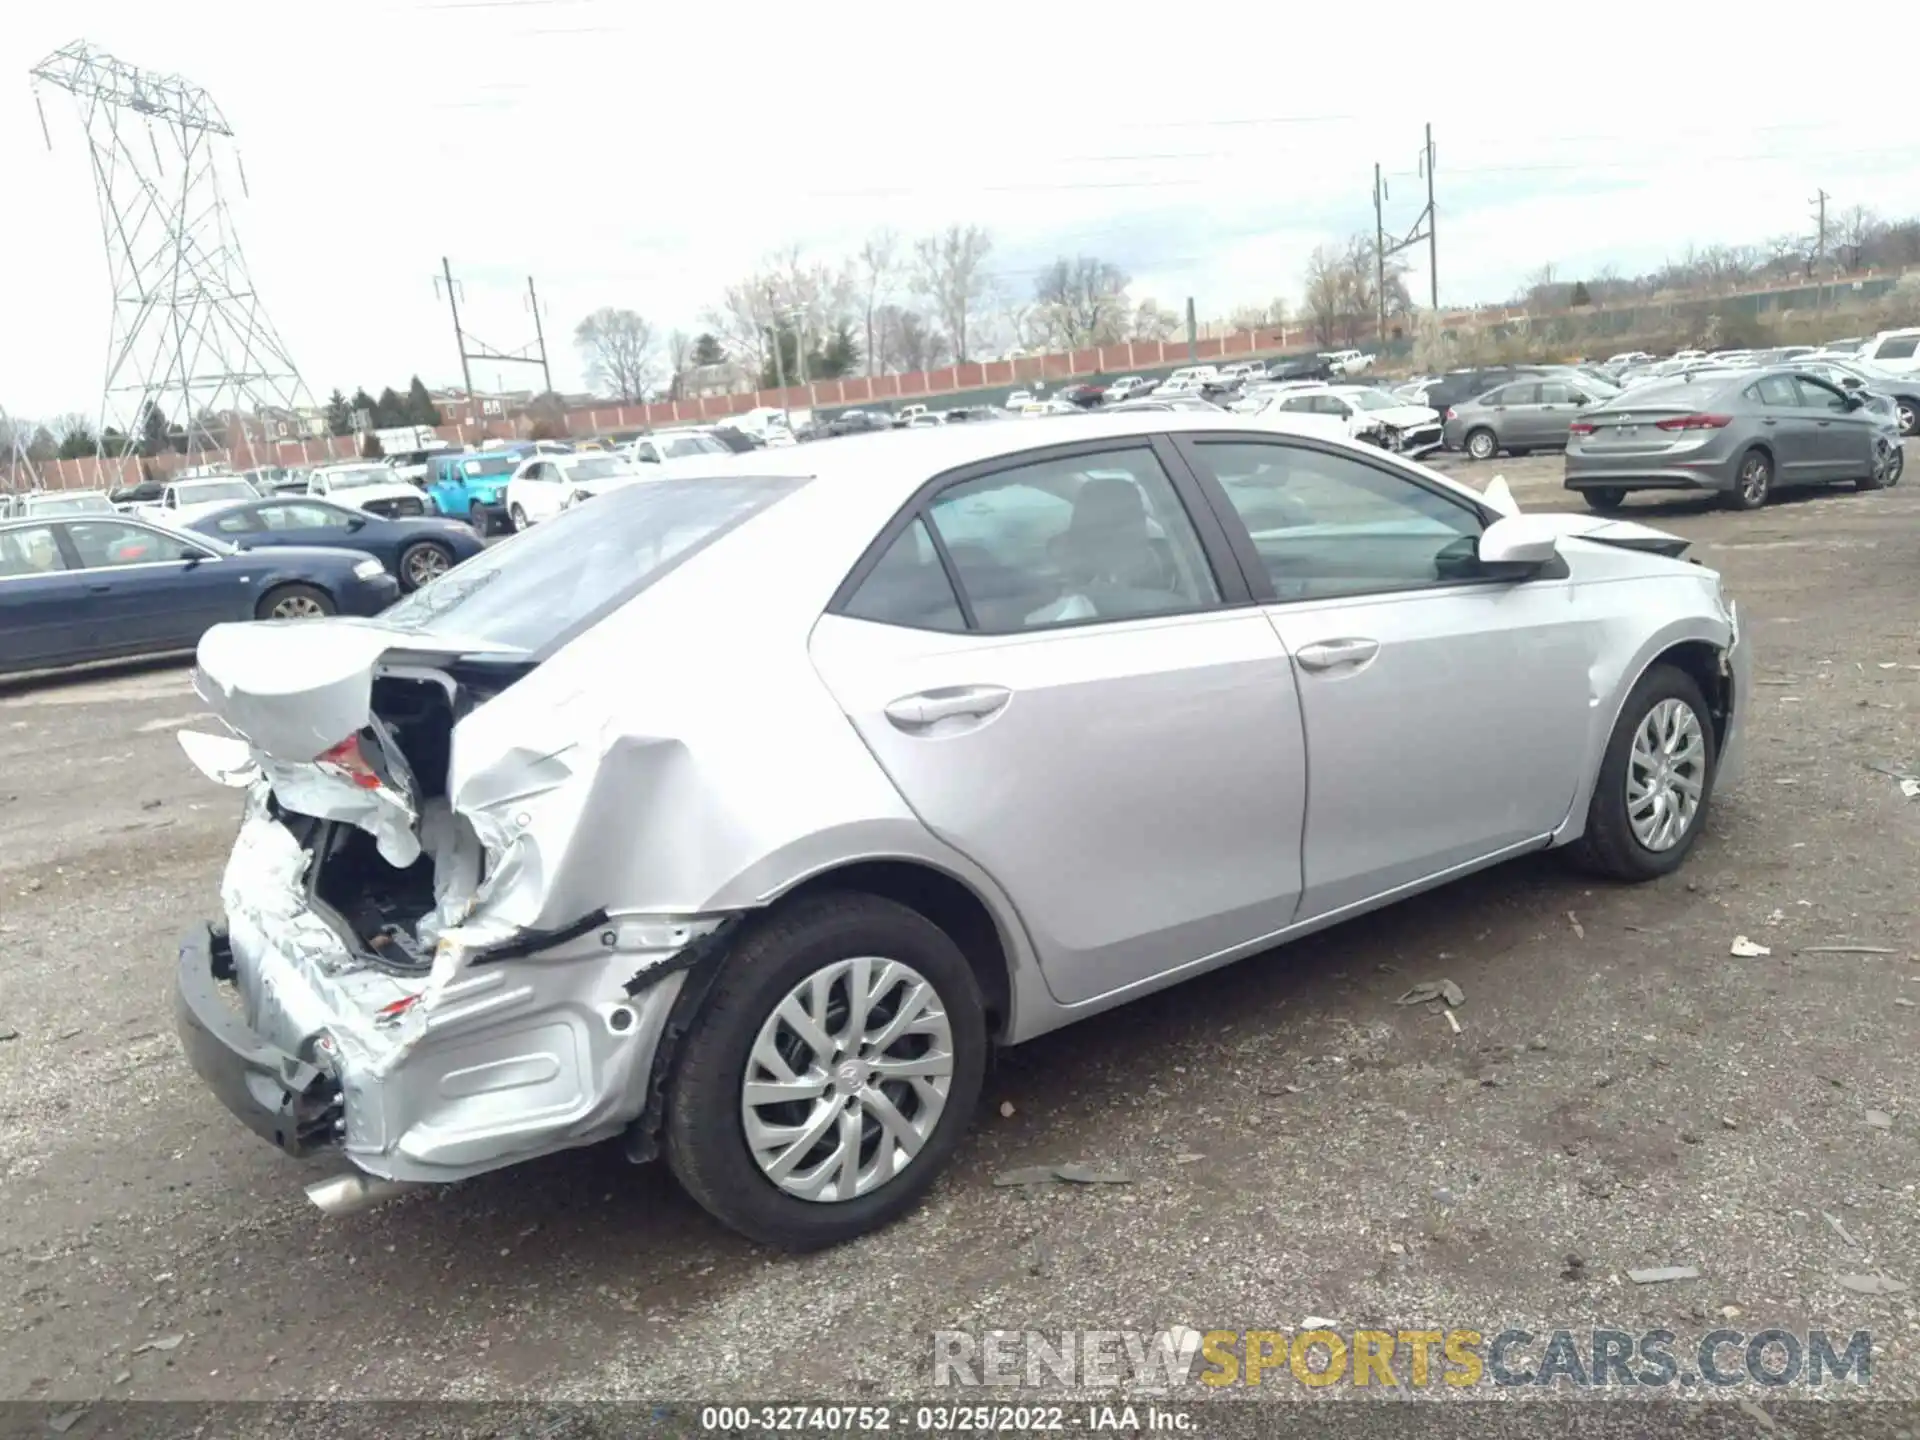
(1746, 949)
(1662, 1274)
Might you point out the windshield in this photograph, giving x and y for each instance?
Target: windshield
(201, 492)
(67, 505)
(684, 445)
(358, 479)
(492, 465)
(546, 585)
(1375, 400)
(597, 467)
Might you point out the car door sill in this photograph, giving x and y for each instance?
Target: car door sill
(1301, 928)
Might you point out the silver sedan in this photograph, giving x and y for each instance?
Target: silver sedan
(737, 819)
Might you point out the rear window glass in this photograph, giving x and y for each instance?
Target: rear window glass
(538, 590)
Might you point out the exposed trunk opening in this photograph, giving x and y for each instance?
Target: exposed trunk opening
(377, 905)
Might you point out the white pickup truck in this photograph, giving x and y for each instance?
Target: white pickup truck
(184, 501)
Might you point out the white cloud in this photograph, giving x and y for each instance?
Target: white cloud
(645, 155)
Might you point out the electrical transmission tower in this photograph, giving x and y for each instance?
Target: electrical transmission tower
(189, 341)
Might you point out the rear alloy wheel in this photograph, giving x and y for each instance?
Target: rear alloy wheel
(295, 602)
(1909, 413)
(831, 1075)
(1482, 445)
(1752, 482)
(1655, 781)
(1605, 498)
(424, 562)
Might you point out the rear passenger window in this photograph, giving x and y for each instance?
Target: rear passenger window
(1776, 390)
(1073, 540)
(908, 586)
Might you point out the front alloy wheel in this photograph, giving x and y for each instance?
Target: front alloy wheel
(1909, 415)
(1666, 775)
(1656, 779)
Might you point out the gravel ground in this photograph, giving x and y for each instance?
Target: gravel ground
(1623, 1093)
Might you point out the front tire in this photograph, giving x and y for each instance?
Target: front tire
(1752, 481)
(1882, 473)
(1604, 499)
(1909, 413)
(1655, 784)
(855, 1019)
(519, 519)
(1482, 445)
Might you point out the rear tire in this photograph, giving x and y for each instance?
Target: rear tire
(1482, 444)
(1605, 499)
(1611, 846)
(707, 1105)
(294, 602)
(477, 518)
(1752, 482)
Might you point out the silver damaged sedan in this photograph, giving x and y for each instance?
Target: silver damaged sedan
(734, 819)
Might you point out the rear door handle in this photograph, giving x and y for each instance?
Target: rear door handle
(1768, 420)
(1331, 654)
(99, 589)
(911, 712)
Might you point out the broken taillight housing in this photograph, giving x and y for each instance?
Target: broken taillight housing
(351, 761)
(1580, 427)
(1694, 422)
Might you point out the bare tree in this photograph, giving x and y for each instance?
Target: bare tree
(1083, 301)
(877, 267)
(1153, 321)
(743, 319)
(907, 342)
(679, 360)
(617, 346)
(947, 271)
(1260, 317)
(1325, 293)
(1857, 228)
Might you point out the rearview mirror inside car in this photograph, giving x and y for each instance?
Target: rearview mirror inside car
(1519, 543)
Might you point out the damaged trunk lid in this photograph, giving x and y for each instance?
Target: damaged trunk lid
(350, 724)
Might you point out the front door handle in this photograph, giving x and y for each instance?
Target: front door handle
(1331, 654)
(912, 712)
(1769, 420)
(99, 589)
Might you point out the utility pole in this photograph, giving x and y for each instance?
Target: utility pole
(459, 339)
(1379, 255)
(1820, 251)
(1433, 245)
(779, 358)
(1423, 229)
(539, 336)
(473, 348)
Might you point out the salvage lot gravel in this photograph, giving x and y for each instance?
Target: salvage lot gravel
(1623, 1092)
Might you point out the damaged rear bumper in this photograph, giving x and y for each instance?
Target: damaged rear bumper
(280, 1097)
(495, 1056)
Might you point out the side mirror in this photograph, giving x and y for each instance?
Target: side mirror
(358, 522)
(1520, 544)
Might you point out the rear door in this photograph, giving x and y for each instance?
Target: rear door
(154, 589)
(1446, 714)
(1788, 426)
(1059, 666)
(47, 616)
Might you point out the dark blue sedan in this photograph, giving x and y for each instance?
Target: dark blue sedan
(413, 551)
(113, 587)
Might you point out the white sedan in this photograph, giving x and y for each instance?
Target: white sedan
(738, 820)
(544, 485)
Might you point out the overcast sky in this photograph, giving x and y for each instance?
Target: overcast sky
(643, 155)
